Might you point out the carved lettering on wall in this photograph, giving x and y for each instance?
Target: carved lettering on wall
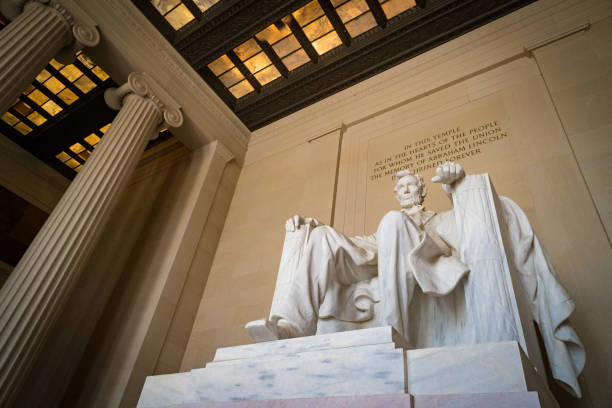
(454, 144)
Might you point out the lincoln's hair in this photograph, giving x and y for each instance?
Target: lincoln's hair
(420, 182)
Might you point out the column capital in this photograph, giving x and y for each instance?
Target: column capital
(84, 30)
(140, 83)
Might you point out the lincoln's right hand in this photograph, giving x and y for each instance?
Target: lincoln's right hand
(296, 221)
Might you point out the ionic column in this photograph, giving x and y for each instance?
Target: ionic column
(32, 297)
(40, 30)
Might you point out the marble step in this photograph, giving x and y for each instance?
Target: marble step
(361, 362)
(360, 370)
(338, 340)
(305, 354)
(497, 400)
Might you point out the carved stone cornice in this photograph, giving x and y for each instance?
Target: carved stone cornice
(140, 83)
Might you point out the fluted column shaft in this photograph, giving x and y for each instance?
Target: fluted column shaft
(27, 44)
(32, 297)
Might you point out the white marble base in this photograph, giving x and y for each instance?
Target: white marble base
(377, 335)
(497, 400)
(361, 362)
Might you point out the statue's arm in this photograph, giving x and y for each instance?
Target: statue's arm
(448, 174)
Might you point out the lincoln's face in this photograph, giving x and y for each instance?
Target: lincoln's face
(407, 191)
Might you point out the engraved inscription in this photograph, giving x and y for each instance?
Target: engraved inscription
(453, 144)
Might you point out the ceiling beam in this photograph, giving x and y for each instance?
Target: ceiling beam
(410, 34)
(273, 56)
(49, 94)
(244, 70)
(303, 40)
(22, 118)
(35, 106)
(218, 87)
(336, 22)
(378, 13)
(193, 9)
(58, 75)
(86, 144)
(227, 25)
(74, 155)
(87, 72)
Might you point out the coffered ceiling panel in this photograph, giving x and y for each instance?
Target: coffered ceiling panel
(269, 58)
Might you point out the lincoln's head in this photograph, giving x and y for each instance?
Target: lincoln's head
(410, 189)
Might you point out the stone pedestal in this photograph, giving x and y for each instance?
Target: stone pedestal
(33, 295)
(361, 367)
(38, 32)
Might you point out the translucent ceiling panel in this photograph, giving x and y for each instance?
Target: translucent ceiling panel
(204, 5)
(308, 13)
(220, 65)
(351, 9)
(231, 77)
(257, 63)
(318, 28)
(327, 43)
(256, 60)
(179, 17)
(36, 118)
(174, 11)
(9, 118)
(241, 88)
(22, 128)
(274, 33)
(394, 7)
(361, 24)
(356, 16)
(164, 6)
(92, 139)
(247, 49)
(286, 46)
(296, 59)
(267, 75)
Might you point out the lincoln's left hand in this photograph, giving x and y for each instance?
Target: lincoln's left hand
(448, 173)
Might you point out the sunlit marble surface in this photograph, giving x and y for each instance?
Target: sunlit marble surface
(497, 400)
(378, 335)
(362, 362)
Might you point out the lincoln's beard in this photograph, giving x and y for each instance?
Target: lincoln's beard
(409, 200)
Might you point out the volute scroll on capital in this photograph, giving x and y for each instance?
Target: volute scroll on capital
(139, 83)
(82, 27)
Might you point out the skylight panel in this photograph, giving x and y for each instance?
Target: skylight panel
(394, 7)
(175, 12)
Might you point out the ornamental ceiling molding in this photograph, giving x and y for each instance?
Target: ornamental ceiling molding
(128, 22)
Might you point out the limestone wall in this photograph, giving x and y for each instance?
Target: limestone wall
(525, 98)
